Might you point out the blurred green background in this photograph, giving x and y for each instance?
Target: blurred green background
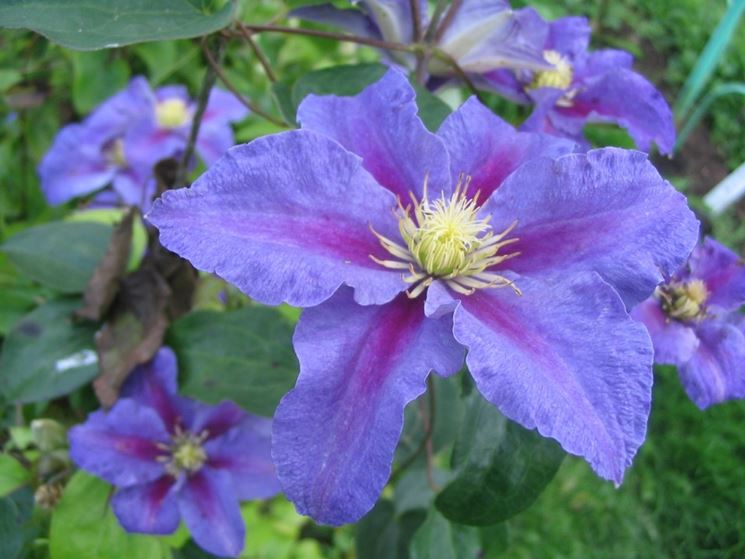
(685, 495)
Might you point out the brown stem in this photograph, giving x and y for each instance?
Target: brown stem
(215, 65)
(447, 20)
(263, 60)
(379, 43)
(436, 15)
(416, 21)
(442, 55)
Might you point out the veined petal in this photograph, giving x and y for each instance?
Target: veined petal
(245, 452)
(350, 20)
(149, 508)
(626, 98)
(715, 372)
(394, 18)
(723, 271)
(209, 507)
(601, 61)
(154, 385)
(488, 149)
(485, 35)
(120, 446)
(382, 126)
(335, 433)
(607, 211)
(566, 359)
(215, 420)
(569, 36)
(674, 342)
(285, 218)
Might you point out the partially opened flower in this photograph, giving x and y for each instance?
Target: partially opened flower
(480, 35)
(172, 458)
(411, 247)
(695, 323)
(121, 141)
(584, 86)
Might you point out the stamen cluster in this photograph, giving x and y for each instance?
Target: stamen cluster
(185, 453)
(446, 239)
(171, 113)
(684, 300)
(560, 77)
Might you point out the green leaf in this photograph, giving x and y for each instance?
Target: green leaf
(338, 80)
(60, 255)
(8, 78)
(85, 25)
(244, 355)
(83, 526)
(432, 109)
(501, 468)
(12, 475)
(46, 355)
(439, 539)
(11, 537)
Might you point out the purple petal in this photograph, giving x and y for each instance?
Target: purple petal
(73, 166)
(245, 452)
(215, 420)
(601, 61)
(569, 36)
(154, 385)
(393, 18)
(715, 373)
(114, 116)
(173, 92)
(607, 211)
(629, 100)
(381, 125)
(723, 271)
(134, 189)
(485, 35)
(674, 342)
(487, 149)
(150, 508)
(336, 431)
(215, 139)
(566, 359)
(120, 446)
(223, 107)
(285, 218)
(352, 21)
(209, 507)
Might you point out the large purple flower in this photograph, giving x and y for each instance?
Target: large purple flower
(481, 35)
(584, 86)
(121, 141)
(378, 225)
(695, 323)
(172, 458)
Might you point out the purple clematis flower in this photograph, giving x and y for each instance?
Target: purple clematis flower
(411, 247)
(172, 458)
(123, 139)
(695, 323)
(480, 35)
(584, 86)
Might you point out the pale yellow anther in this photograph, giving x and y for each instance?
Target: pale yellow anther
(115, 153)
(171, 113)
(447, 239)
(684, 300)
(560, 77)
(185, 453)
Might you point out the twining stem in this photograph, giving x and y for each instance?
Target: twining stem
(216, 50)
(263, 60)
(416, 20)
(215, 65)
(447, 20)
(429, 35)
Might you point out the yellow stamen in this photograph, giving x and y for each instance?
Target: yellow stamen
(185, 453)
(447, 239)
(684, 300)
(560, 77)
(171, 113)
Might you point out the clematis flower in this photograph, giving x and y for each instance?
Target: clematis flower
(695, 324)
(480, 35)
(123, 139)
(584, 86)
(172, 458)
(411, 247)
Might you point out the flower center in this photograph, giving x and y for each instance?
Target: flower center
(684, 300)
(171, 113)
(560, 77)
(115, 153)
(185, 453)
(447, 239)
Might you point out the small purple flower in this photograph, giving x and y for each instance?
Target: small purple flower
(481, 35)
(695, 324)
(584, 86)
(411, 247)
(122, 140)
(172, 458)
